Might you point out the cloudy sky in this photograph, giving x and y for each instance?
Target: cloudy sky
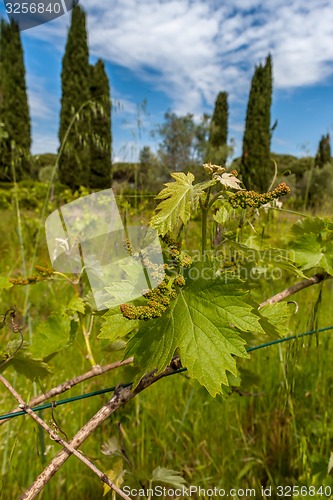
(177, 55)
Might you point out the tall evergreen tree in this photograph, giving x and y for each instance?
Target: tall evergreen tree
(217, 149)
(256, 167)
(324, 151)
(100, 143)
(74, 164)
(14, 108)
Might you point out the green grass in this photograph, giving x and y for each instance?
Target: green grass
(276, 430)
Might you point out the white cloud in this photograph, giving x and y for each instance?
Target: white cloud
(192, 49)
(123, 106)
(198, 47)
(40, 106)
(175, 39)
(44, 107)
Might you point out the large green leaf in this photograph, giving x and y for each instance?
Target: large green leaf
(180, 200)
(204, 323)
(312, 243)
(51, 336)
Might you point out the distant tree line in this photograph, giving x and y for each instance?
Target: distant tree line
(185, 144)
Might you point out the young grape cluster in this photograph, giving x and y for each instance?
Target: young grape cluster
(252, 199)
(159, 298)
(43, 274)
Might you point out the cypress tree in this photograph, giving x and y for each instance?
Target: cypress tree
(1, 64)
(256, 168)
(217, 149)
(100, 143)
(14, 108)
(151, 172)
(74, 164)
(324, 151)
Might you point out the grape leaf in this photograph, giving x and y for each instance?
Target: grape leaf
(221, 216)
(116, 325)
(276, 257)
(120, 291)
(168, 476)
(51, 336)
(76, 304)
(116, 475)
(32, 368)
(180, 200)
(155, 343)
(313, 225)
(312, 243)
(23, 362)
(4, 282)
(308, 252)
(279, 315)
(229, 180)
(204, 323)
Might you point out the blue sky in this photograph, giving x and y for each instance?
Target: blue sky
(178, 54)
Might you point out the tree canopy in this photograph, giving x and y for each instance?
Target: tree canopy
(100, 142)
(15, 140)
(256, 166)
(74, 164)
(217, 149)
(324, 151)
(184, 141)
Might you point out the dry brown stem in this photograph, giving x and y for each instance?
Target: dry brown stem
(55, 437)
(121, 397)
(314, 280)
(65, 386)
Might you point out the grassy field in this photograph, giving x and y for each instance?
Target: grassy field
(276, 429)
